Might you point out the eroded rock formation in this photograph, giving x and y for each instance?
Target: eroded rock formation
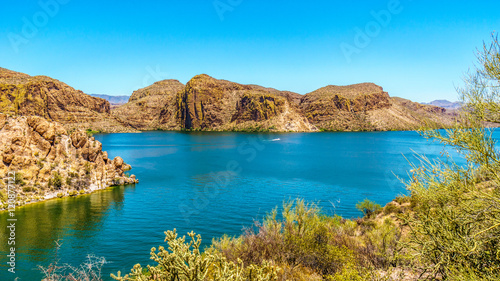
(50, 161)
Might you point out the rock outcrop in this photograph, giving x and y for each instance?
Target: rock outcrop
(151, 108)
(49, 161)
(207, 103)
(366, 107)
(21, 94)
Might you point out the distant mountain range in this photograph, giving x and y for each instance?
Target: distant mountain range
(117, 100)
(445, 104)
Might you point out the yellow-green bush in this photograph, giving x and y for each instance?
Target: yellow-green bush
(184, 261)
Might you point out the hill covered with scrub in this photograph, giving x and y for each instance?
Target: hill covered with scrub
(209, 104)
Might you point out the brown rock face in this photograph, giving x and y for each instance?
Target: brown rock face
(25, 95)
(344, 107)
(48, 160)
(161, 88)
(151, 108)
(210, 104)
(407, 115)
(258, 107)
(366, 107)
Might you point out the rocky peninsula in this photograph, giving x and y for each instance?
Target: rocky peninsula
(49, 161)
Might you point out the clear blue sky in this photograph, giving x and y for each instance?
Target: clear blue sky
(112, 47)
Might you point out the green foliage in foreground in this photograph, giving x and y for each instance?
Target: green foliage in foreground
(368, 208)
(451, 221)
(303, 245)
(184, 261)
(455, 226)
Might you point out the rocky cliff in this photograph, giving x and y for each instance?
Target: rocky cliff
(366, 107)
(25, 95)
(207, 103)
(151, 108)
(49, 161)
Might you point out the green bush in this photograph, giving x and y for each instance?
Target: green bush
(368, 208)
(304, 238)
(19, 179)
(57, 180)
(184, 261)
(455, 223)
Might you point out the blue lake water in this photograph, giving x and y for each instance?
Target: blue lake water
(212, 183)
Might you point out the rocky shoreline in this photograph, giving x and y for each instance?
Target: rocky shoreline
(49, 161)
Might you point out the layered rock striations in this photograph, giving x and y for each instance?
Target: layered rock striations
(207, 103)
(21, 94)
(49, 161)
(152, 107)
(366, 107)
(344, 108)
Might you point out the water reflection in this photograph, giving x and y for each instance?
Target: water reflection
(75, 221)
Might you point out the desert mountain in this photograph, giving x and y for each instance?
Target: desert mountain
(366, 107)
(152, 107)
(114, 101)
(25, 95)
(445, 104)
(210, 104)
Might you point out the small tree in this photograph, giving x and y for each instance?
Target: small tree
(368, 208)
(455, 226)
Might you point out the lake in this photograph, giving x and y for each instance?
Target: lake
(212, 183)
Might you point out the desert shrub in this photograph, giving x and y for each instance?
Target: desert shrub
(402, 199)
(57, 180)
(184, 261)
(19, 179)
(90, 270)
(303, 238)
(81, 184)
(391, 209)
(29, 189)
(368, 208)
(87, 168)
(455, 226)
(91, 132)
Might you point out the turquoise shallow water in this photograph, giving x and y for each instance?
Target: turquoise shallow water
(212, 183)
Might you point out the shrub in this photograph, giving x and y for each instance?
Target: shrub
(29, 189)
(455, 226)
(90, 270)
(184, 261)
(390, 209)
(304, 238)
(57, 180)
(19, 179)
(368, 208)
